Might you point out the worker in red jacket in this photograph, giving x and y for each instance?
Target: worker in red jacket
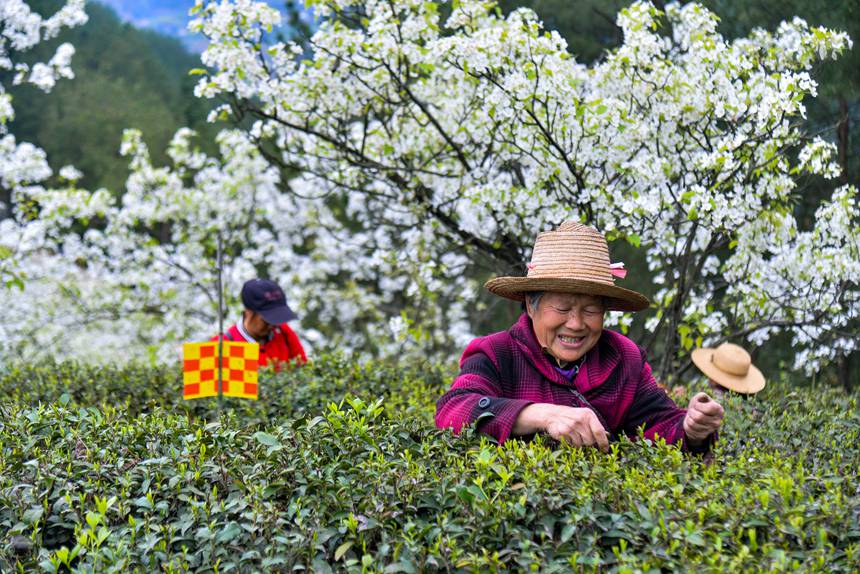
(264, 321)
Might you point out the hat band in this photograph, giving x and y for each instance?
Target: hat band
(566, 270)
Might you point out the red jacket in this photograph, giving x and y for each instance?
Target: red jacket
(282, 346)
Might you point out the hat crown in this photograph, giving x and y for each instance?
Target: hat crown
(573, 226)
(732, 359)
(572, 250)
(261, 294)
(573, 258)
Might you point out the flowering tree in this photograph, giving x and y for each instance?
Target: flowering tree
(429, 153)
(457, 140)
(86, 275)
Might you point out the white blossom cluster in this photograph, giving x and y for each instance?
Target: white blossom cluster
(460, 140)
(21, 29)
(803, 281)
(23, 165)
(429, 152)
(142, 277)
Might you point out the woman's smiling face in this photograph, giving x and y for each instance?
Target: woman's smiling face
(568, 325)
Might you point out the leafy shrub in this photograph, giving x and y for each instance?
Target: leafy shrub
(369, 485)
(406, 390)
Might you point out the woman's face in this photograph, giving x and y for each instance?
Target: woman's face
(568, 325)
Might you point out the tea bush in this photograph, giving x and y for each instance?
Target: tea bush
(289, 393)
(106, 470)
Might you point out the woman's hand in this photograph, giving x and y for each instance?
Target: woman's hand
(577, 426)
(704, 417)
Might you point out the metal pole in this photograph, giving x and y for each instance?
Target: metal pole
(220, 325)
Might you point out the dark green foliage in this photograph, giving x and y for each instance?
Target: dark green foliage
(309, 480)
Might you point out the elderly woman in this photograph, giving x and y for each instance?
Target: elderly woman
(557, 371)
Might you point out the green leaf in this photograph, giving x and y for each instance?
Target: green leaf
(143, 502)
(266, 439)
(341, 550)
(567, 532)
(315, 421)
(696, 539)
(33, 514)
(230, 532)
(93, 519)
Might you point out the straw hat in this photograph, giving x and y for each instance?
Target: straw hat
(572, 259)
(730, 366)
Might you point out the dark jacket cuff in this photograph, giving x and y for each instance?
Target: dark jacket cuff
(497, 416)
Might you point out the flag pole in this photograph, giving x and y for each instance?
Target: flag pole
(220, 325)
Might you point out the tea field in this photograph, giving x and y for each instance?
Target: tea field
(339, 468)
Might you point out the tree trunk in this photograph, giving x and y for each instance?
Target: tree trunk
(842, 137)
(5, 203)
(844, 374)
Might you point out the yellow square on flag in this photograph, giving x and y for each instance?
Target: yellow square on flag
(241, 363)
(199, 375)
(239, 367)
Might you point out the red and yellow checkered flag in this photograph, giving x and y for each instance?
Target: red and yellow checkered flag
(238, 370)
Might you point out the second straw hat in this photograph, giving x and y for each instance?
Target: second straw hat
(730, 366)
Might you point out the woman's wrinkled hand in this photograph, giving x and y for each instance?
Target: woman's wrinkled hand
(577, 426)
(704, 417)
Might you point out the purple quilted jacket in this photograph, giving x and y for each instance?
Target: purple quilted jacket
(502, 373)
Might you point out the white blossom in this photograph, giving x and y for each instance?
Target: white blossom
(428, 152)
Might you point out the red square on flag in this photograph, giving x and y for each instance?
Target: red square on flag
(250, 389)
(236, 375)
(225, 386)
(207, 375)
(250, 364)
(207, 351)
(192, 389)
(237, 352)
(192, 364)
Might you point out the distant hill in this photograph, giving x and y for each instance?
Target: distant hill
(124, 77)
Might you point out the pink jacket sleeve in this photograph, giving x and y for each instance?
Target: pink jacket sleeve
(477, 395)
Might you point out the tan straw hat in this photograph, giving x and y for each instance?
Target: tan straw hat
(730, 366)
(572, 259)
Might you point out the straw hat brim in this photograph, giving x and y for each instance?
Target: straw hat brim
(752, 383)
(618, 298)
